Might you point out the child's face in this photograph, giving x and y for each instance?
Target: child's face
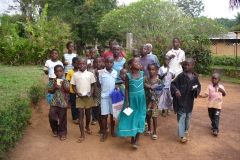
(92, 53)
(59, 72)
(166, 61)
(123, 74)
(116, 51)
(101, 52)
(176, 43)
(149, 49)
(70, 47)
(111, 44)
(215, 80)
(109, 63)
(152, 70)
(135, 53)
(143, 50)
(189, 66)
(54, 55)
(87, 53)
(82, 64)
(75, 64)
(136, 64)
(98, 63)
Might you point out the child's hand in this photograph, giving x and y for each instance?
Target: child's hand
(194, 89)
(127, 105)
(178, 94)
(172, 56)
(200, 96)
(79, 94)
(55, 86)
(96, 73)
(95, 94)
(221, 90)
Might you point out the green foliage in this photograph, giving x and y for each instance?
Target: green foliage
(39, 37)
(191, 8)
(158, 22)
(228, 23)
(225, 60)
(13, 119)
(36, 93)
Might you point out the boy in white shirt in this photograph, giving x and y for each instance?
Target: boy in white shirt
(177, 57)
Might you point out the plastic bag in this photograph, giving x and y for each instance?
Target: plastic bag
(49, 98)
(117, 102)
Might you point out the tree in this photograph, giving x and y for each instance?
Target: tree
(157, 22)
(228, 23)
(234, 4)
(191, 7)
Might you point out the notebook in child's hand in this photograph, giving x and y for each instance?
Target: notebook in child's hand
(100, 72)
(45, 68)
(128, 111)
(59, 81)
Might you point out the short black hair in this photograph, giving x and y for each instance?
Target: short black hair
(217, 75)
(82, 59)
(58, 66)
(111, 40)
(54, 50)
(109, 57)
(176, 39)
(191, 60)
(101, 47)
(123, 69)
(74, 59)
(154, 65)
(166, 56)
(95, 59)
(68, 44)
(92, 49)
(131, 60)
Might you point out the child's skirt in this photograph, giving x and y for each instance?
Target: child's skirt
(166, 100)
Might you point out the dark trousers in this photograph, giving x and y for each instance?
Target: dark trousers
(57, 113)
(214, 115)
(74, 110)
(94, 114)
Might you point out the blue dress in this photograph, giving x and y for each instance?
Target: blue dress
(135, 122)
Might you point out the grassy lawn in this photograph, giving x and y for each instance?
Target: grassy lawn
(16, 81)
(224, 79)
(223, 67)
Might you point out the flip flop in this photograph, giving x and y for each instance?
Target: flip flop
(103, 139)
(154, 137)
(80, 140)
(136, 146)
(62, 138)
(114, 134)
(88, 132)
(55, 134)
(147, 133)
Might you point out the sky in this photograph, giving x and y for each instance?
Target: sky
(213, 8)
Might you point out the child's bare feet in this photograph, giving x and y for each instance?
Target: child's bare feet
(80, 139)
(103, 139)
(114, 134)
(132, 140)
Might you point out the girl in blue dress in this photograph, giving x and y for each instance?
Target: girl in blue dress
(134, 124)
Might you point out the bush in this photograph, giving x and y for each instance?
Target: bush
(13, 119)
(224, 60)
(36, 92)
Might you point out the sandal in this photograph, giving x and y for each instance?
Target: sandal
(62, 138)
(114, 134)
(136, 146)
(154, 137)
(147, 133)
(80, 140)
(103, 139)
(164, 114)
(88, 132)
(99, 132)
(55, 134)
(75, 121)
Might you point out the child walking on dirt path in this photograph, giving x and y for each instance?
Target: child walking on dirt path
(72, 94)
(151, 99)
(51, 63)
(59, 87)
(107, 82)
(166, 74)
(133, 124)
(67, 58)
(96, 109)
(215, 92)
(177, 57)
(83, 85)
(184, 89)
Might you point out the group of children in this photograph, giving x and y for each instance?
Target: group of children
(148, 88)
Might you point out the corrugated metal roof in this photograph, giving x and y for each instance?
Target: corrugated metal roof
(229, 35)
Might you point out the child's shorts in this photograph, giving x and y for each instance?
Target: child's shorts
(106, 106)
(84, 102)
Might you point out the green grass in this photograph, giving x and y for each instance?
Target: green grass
(225, 79)
(224, 67)
(15, 82)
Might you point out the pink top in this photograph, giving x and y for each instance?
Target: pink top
(109, 53)
(214, 97)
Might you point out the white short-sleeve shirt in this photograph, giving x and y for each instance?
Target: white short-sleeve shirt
(175, 62)
(83, 81)
(50, 65)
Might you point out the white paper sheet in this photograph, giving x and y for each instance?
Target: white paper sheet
(128, 111)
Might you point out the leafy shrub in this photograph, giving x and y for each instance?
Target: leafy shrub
(13, 119)
(36, 92)
(224, 60)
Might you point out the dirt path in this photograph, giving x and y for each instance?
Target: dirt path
(38, 142)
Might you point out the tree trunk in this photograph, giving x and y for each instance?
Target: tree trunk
(80, 47)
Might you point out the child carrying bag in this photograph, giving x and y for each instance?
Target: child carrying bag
(117, 102)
